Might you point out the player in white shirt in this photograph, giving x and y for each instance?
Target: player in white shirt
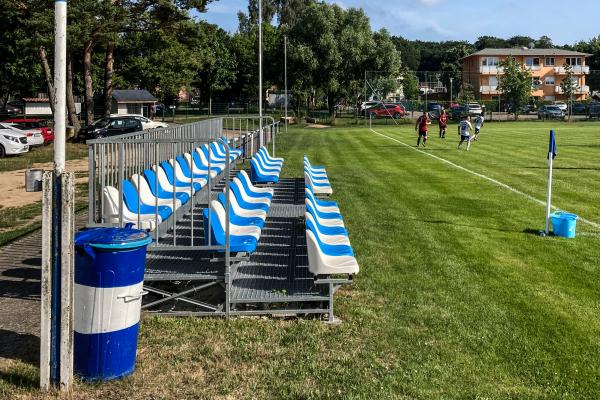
(464, 130)
(478, 126)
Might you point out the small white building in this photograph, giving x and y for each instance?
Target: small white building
(132, 101)
(40, 106)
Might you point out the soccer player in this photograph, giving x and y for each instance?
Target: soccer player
(443, 121)
(421, 125)
(478, 126)
(464, 130)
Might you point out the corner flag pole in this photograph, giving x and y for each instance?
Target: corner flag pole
(551, 155)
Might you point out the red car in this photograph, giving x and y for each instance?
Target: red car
(35, 123)
(387, 110)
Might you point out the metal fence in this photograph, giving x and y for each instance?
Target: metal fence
(116, 163)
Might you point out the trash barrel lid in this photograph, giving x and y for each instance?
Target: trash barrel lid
(113, 238)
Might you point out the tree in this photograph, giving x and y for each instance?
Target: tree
(520, 41)
(333, 47)
(490, 42)
(218, 66)
(410, 85)
(409, 54)
(568, 86)
(544, 42)
(515, 84)
(466, 94)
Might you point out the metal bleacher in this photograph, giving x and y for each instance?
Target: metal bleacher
(185, 276)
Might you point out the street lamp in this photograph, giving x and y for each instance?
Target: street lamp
(451, 79)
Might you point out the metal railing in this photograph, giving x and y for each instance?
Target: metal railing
(115, 160)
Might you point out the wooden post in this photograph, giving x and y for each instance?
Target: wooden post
(46, 280)
(67, 277)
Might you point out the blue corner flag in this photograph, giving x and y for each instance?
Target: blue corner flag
(552, 145)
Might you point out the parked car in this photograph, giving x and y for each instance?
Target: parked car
(526, 109)
(561, 104)
(34, 137)
(12, 141)
(474, 109)
(36, 124)
(110, 127)
(457, 112)
(593, 110)
(365, 105)
(18, 104)
(147, 123)
(8, 110)
(551, 112)
(579, 108)
(387, 110)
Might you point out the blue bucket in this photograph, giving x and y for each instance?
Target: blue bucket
(564, 224)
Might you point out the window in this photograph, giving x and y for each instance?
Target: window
(549, 98)
(117, 123)
(549, 61)
(549, 81)
(532, 61)
(573, 61)
(490, 61)
(131, 123)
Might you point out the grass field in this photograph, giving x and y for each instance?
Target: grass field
(41, 154)
(457, 297)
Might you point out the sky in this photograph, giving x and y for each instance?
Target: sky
(564, 22)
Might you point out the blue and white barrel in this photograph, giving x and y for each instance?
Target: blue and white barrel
(109, 275)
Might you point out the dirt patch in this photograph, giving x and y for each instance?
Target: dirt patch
(317, 126)
(12, 183)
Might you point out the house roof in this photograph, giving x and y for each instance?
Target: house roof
(527, 52)
(35, 100)
(133, 96)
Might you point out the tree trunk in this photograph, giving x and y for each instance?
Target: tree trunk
(108, 77)
(48, 76)
(71, 110)
(87, 77)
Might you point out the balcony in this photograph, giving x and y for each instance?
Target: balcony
(491, 70)
(577, 70)
(585, 89)
(533, 67)
(487, 89)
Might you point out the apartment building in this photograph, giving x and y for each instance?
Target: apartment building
(482, 70)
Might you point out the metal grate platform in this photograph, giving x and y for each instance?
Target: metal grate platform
(273, 280)
(278, 271)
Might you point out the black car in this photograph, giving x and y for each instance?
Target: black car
(110, 127)
(457, 112)
(579, 108)
(9, 110)
(593, 110)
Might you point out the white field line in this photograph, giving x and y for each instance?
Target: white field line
(487, 178)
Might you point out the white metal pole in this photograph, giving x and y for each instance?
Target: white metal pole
(60, 83)
(285, 80)
(260, 82)
(549, 194)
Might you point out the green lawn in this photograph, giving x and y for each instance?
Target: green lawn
(456, 299)
(41, 154)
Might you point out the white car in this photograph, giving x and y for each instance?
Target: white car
(12, 141)
(147, 123)
(34, 136)
(561, 104)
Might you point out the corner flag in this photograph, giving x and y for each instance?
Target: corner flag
(551, 155)
(552, 145)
